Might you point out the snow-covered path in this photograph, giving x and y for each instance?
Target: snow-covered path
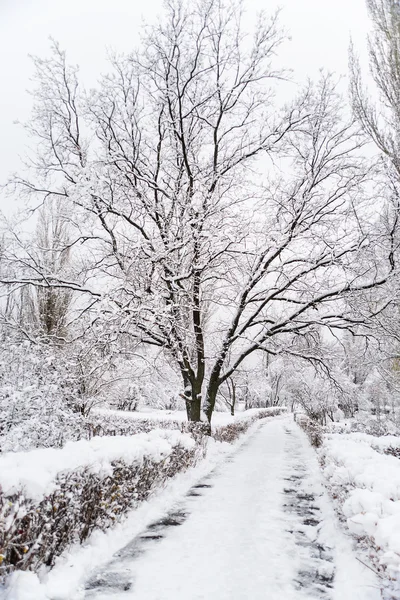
(259, 526)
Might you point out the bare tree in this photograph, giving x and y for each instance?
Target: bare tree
(229, 394)
(213, 224)
(381, 123)
(39, 310)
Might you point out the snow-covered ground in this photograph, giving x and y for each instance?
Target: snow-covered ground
(366, 483)
(259, 525)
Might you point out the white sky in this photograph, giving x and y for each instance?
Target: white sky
(320, 31)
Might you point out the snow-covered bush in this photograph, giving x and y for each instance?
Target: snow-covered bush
(50, 498)
(365, 483)
(312, 428)
(37, 399)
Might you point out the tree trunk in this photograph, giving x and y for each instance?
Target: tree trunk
(192, 397)
(195, 409)
(187, 393)
(232, 389)
(212, 390)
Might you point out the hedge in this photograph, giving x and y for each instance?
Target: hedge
(229, 433)
(34, 532)
(122, 424)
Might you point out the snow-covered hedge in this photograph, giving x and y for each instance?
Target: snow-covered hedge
(366, 485)
(231, 431)
(113, 422)
(50, 498)
(224, 427)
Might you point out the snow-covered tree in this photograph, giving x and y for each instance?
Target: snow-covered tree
(213, 224)
(381, 122)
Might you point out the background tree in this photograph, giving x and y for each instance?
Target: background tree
(379, 118)
(381, 123)
(49, 306)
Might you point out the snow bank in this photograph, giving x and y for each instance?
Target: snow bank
(36, 472)
(380, 443)
(367, 484)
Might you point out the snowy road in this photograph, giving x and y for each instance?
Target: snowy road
(259, 526)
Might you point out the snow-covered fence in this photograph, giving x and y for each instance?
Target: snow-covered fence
(50, 498)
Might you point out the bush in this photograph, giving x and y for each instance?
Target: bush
(37, 402)
(312, 428)
(110, 423)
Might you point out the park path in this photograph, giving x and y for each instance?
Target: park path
(260, 526)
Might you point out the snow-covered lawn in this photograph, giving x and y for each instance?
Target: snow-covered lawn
(366, 484)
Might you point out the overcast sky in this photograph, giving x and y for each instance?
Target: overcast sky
(320, 31)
